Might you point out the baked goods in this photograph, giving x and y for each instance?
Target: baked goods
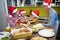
(24, 30)
(21, 33)
(37, 27)
(38, 38)
(28, 23)
(4, 35)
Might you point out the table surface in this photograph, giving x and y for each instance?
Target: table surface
(37, 35)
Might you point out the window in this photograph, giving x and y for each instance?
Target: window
(28, 2)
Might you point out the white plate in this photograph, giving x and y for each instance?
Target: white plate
(46, 33)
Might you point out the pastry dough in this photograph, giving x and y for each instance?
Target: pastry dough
(21, 39)
(38, 26)
(38, 38)
(22, 31)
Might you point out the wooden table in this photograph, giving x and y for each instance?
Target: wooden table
(37, 35)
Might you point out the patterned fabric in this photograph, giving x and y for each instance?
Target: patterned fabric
(12, 20)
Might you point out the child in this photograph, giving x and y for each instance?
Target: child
(34, 16)
(12, 16)
(23, 18)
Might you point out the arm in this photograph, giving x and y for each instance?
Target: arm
(51, 21)
(10, 21)
(45, 21)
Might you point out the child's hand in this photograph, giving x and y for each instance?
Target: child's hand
(17, 22)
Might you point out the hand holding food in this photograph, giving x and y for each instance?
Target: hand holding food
(17, 22)
(28, 23)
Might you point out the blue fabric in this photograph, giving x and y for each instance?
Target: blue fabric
(53, 19)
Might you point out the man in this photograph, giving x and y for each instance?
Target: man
(52, 15)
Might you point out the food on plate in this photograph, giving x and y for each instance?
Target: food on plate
(5, 38)
(4, 35)
(38, 38)
(46, 33)
(35, 30)
(22, 31)
(37, 27)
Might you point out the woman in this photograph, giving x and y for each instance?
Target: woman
(52, 15)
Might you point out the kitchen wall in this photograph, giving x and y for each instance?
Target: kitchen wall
(3, 13)
(43, 12)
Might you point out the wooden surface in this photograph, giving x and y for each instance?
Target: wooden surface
(37, 35)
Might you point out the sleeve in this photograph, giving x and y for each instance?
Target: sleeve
(51, 20)
(46, 20)
(10, 21)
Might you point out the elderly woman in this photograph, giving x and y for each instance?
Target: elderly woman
(52, 15)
